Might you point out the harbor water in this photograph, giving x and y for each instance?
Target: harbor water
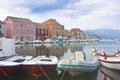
(63, 51)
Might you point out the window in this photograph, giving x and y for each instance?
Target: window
(59, 27)
(38, 31)
(42, 31)
(28, 31)
(46, 32)
(21, 25)
(16, 31)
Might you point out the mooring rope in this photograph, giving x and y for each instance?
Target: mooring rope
(44, 73)
(5, 73)
(63, 74)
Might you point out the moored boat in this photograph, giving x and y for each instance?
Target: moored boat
(109, 61)
(10, 62)
(49, 41)
(78, 63)
(7, 67)
(41, 65)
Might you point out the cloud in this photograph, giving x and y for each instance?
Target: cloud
(86, 14)
(37, 6)
(93, 14)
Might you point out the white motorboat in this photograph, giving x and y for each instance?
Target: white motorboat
(78, 63)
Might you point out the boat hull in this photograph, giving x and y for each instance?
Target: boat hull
(39, 69)
(110, 64)
(80, 68)
(7, 70)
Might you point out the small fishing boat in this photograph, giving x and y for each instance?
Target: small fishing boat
(49, 41)
(10, 62)
(78, 63)
(109, 61)
(9, 67)
(103, 53)
(41, 64)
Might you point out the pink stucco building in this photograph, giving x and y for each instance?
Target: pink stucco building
(21, 29)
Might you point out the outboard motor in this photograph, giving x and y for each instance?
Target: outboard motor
(94, 51)
(47, 52)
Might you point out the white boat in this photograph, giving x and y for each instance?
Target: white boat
(78, 63)
(41, 65)
(73, 40)
(49, 41)
(9, 67)
(37, 41)
(109, 61)
(12, 62)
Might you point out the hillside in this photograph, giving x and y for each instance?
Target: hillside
(104, 33)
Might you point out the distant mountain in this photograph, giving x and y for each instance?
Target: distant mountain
(104, 33)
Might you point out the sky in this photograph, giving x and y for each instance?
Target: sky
(83, 14)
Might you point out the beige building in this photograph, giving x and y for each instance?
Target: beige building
(77, 33)
(55, 29)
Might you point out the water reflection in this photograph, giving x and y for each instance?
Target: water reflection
(83, 76)
(56, 50)
(66, 51)
(23, 75)
(109, 74)
(26, 49)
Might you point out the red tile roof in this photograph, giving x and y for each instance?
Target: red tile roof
(17, 19)
(40, 25)
(76, 30)
(51, 22)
